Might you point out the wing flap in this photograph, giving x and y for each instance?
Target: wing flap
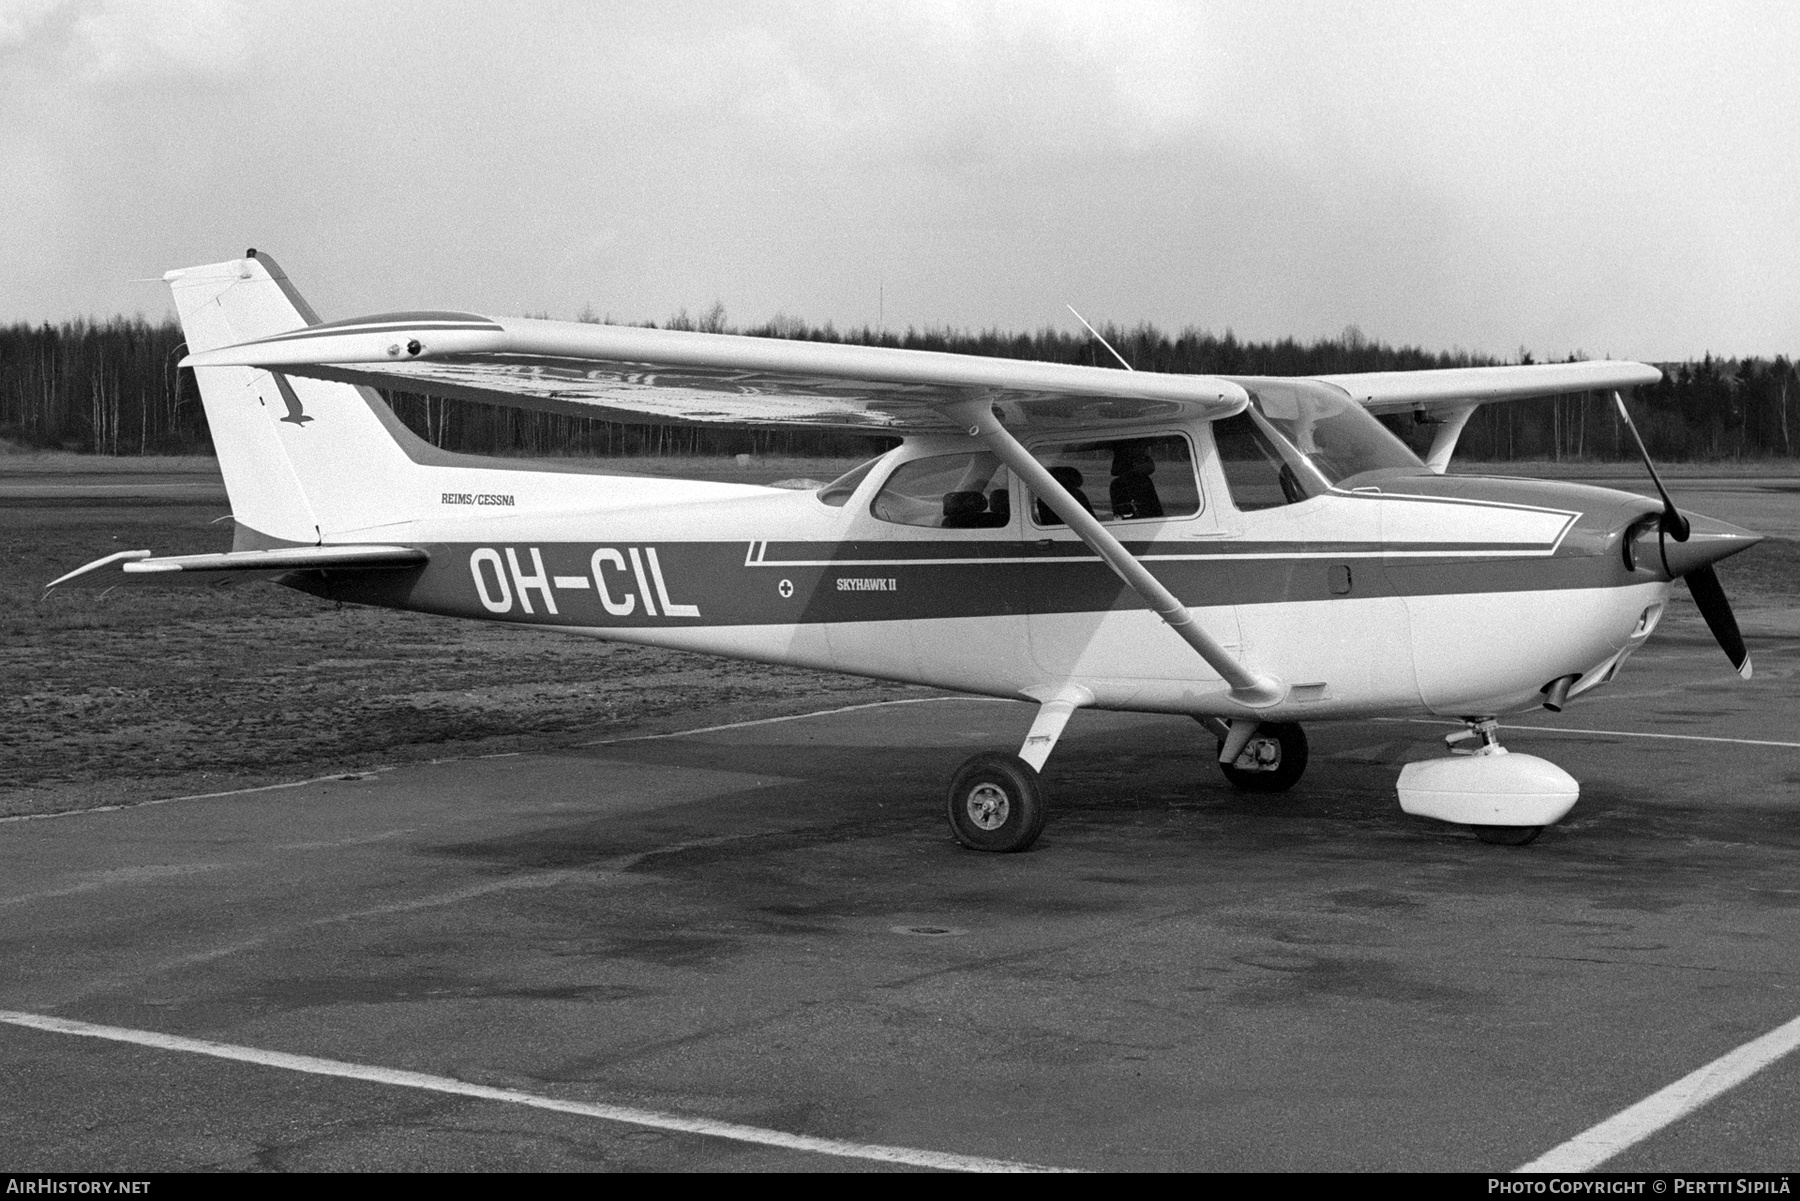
(143, 567)
(627, 373)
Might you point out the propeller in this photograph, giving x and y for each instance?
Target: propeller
(1694, 569)
(1703, 582)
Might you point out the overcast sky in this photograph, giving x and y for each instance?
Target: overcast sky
(1620, 179)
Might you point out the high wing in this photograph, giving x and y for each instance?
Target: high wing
(141, 567)
(1455, 387)
(626, 373)
(1447, 398)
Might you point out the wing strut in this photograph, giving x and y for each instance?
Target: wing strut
(1247, 687)
(1443, 443)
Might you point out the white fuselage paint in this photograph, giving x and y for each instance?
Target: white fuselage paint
(1492, 652)
(1353, 667)
(1449, 653)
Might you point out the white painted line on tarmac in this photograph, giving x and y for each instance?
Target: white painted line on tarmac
(1591, 1148)
(346, 776)
(769, 721)
(1672, 737)
(709, 1127)
(1426, 721)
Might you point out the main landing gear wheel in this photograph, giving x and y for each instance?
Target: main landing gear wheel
(1272, 761)
(1507, 836)
(997, 803)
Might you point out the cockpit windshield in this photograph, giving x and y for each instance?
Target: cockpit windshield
(1337, 437)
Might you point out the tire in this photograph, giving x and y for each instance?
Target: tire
(1279, 748)
(1507, 836)
(997, 803)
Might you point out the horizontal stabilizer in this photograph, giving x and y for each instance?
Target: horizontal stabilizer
(142, 567)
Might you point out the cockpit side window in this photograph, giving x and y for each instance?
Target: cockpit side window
(1302, 438)
(950, 492)
(1332, 435)
(1125, 479)
(1256, 475)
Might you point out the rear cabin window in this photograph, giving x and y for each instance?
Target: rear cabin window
(950, 492)
(1128, 479)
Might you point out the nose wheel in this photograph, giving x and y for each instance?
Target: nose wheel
(1507, 836)
(997, 803)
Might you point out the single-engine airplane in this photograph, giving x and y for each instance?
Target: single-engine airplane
(1252, 552)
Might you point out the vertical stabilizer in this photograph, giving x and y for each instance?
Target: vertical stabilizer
(302, 459)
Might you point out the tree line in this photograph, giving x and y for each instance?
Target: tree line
(113, 387)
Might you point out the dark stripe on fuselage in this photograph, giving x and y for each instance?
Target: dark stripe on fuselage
(674, 584)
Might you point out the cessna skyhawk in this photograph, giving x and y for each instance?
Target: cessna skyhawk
(1252, 552)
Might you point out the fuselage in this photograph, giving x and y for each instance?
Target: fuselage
(1409, 592)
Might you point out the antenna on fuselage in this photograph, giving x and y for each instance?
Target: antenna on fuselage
(1099, 339)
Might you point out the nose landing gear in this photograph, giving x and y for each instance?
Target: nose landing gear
(1506, 798)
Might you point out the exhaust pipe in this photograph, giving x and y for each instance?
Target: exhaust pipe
(1556, 692)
